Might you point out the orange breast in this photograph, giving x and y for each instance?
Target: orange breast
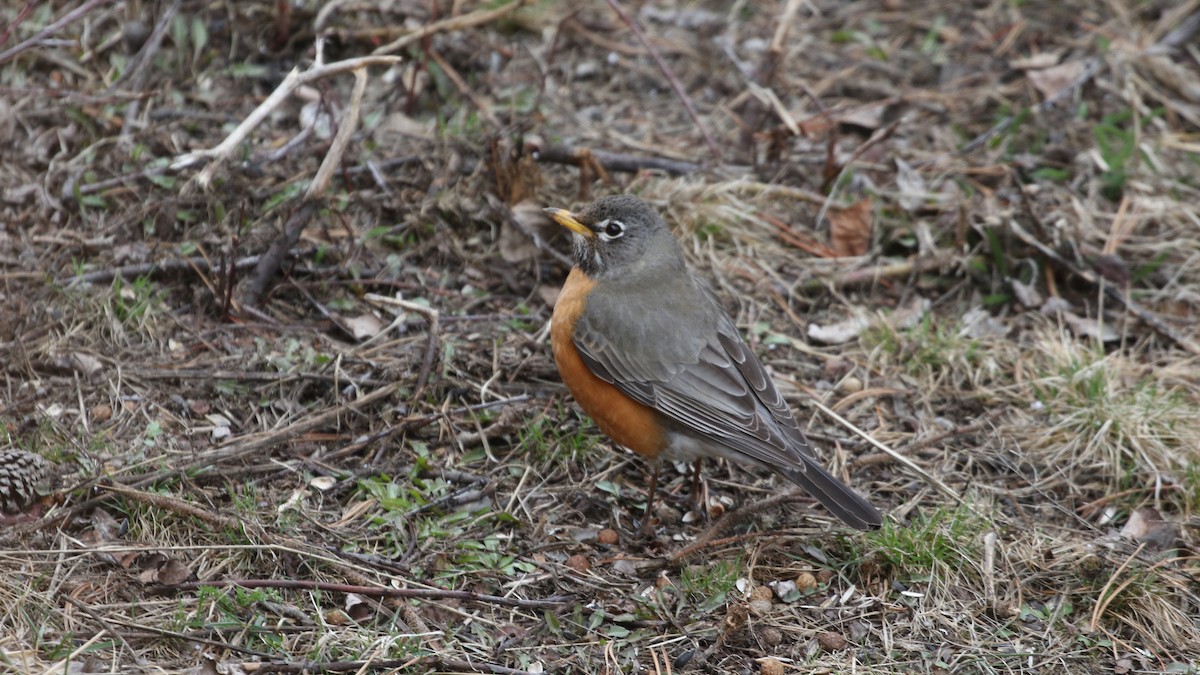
(624, 420)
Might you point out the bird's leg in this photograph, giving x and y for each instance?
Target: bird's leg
(697, 496)
(647, 518)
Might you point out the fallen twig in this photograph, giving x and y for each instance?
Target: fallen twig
(463, 88)
(36, 39)
(414, 423)
(1180, 35)
(554, 602)
(173, 505)
(106, 625)
(243, 447)
(294, 80)
(211, 375)
(269, 262)
(137, 72)
(153, 269)
(400, 665)
(1089, 71)
(252, 291)
(431, 337)
(613, 161)
(708, 537)
(908, 463)
(676, 85)
(1147, 317)
(870, 275)
(461, 22)
(977, 425)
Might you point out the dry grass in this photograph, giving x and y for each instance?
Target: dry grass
(325, 482)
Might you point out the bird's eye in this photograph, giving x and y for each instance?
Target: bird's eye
(614, 229)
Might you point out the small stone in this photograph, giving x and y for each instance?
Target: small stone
(851, 385)
(824, 576)
(771, 667)
(608, 537)
(831, 642)
(760, 607)
(101, 412)
(337, 617)
(586, 70)
(579, 563)
(771, 637)
(805, 582)
(762, 593)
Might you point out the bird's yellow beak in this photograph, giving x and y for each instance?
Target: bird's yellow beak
(567, 219)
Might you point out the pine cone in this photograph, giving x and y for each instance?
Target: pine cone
(21, 473)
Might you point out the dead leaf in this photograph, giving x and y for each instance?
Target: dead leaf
(908, 317)
(521, 234)
(293, 502)
(1080, 326)
(357, 608)
(86, 364)
(1146, 526)
(625, 567)
(105, 528)
(158, 568)
(1026, 295)
(914, 192)
(868, 117)
(1090, 328)
(135, 252)
(1051, 82)
(978, 323)
(210, 666)
(839, 333)
(850, 229)
(364, 326)
(1037, 61)
(173, 572)
(323, 483)
(399, 124)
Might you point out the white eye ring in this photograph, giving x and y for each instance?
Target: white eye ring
(611, 229)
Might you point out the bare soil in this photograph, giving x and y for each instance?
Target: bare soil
(296, 398)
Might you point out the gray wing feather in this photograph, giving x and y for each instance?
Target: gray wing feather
(704, 377)
(706, 380)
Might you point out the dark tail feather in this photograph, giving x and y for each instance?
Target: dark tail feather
(836, 496)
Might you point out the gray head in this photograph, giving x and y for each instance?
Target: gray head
(620, 236)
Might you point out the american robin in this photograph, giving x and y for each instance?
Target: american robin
(648, 352)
